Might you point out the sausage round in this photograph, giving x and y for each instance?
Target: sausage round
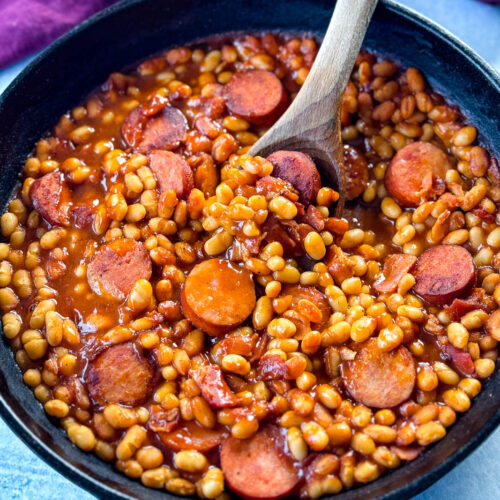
(51, 198)
(218, 296)
(192, 436)
(164, 130)
(120, 375)
(255, 95)
(116, 267)
(444, 273)
(377, 378)
(171, 172)
(356, 172)
(416, 174)
(299, 170)
(258, 467)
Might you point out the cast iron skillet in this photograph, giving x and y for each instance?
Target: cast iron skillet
(79, 61)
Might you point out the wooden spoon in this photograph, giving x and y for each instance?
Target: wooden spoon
(312, 122)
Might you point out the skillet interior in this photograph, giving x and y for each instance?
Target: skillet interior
(132, 30)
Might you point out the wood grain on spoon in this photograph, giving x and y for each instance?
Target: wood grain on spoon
(311, 124)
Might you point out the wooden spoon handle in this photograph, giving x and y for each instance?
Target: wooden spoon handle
(312, 118)
(326, 82)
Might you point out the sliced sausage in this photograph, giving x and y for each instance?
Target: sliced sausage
(120, 375)
(312, 294)
(356, 172)
(192, 436)
(51, 198)
(213, 385)
(444, 273)
(416, 174)
(116, 267)
(396, 266)
(258, 467)
(171, 172)
(256, 95)
(299, 170)
(377, 378)
(218, 296)
(133, 127)
(164, 130)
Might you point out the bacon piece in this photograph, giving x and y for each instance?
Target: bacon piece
(395, 267)
(214, 388)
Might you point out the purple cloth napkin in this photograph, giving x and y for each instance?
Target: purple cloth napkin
(27, 26)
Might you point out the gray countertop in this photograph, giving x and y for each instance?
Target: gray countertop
(24, 476)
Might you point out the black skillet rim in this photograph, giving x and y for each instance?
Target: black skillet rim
(100, 489)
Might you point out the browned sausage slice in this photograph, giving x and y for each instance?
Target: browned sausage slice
(120, 375)
(116, 267)
(219, 293)
(163, 130)
(416, 174)
(51, 198)
(192, 436)
(299, 170)
(377, 378)
(133, 127)
(396, 266)
(356, 172)
(258, 467)
(444, 273)
(166, 130)
(171, 172)
(256, 95)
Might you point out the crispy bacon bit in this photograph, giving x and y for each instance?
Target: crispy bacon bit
(192, 437)
(243, 345)
(407, 452)
(487, 217)
(213, 386)
(494, 172)
(314, 218)
(154, 105)
(461, 360)
(270, 187)
(161, 420)
(336, 226)
(272, 367)
(395, 267)
(460, 307)
(339, 266)
(287, 232)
